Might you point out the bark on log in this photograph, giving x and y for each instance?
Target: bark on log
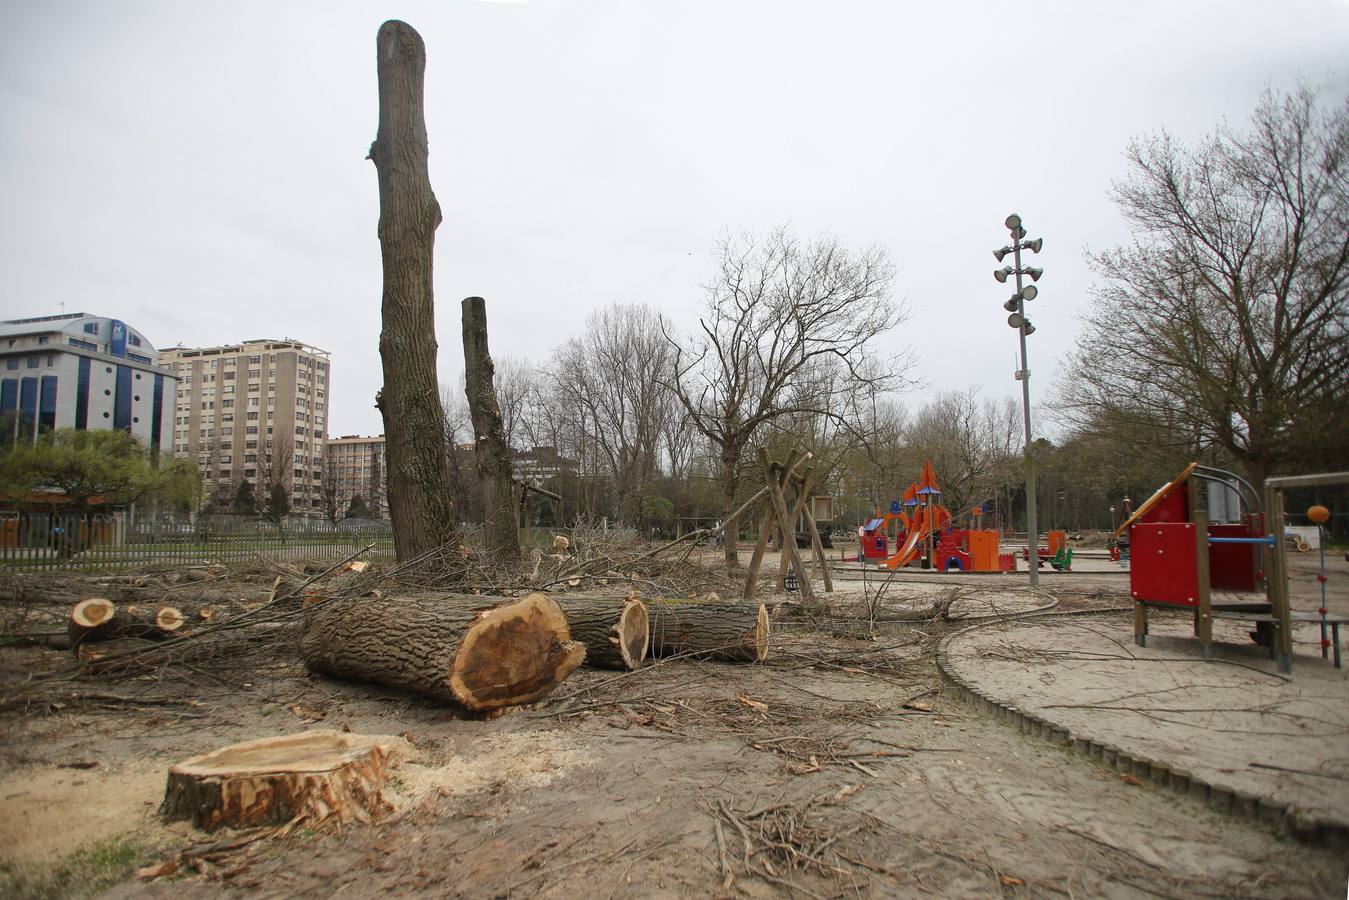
(452, 650)
(617, 633)
(308, 777)
(501, 532)
(148, 622)
(416, 454)
(731, 632)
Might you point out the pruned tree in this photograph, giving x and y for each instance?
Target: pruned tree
(495, 466)
(787, 330)
(1223, 324)
(418, 478)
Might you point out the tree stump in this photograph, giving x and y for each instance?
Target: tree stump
(734, 633)
(445, 647)
(137, 621)
(309, 777)
(616, 632)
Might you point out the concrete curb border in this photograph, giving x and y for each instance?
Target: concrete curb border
(1295, 821)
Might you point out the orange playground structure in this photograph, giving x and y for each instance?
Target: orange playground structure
(924, 533)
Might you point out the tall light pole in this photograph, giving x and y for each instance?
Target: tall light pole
(1017, 307)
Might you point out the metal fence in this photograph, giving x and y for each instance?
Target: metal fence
(40, 540)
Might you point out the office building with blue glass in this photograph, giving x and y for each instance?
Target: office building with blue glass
(81, 371)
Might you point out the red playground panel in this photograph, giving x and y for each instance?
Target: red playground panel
(1164, 567)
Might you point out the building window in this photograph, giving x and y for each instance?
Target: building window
(43, 339)
(255, 360)
(34, 362)
(11, 364)
(91, 328)
(252, 429)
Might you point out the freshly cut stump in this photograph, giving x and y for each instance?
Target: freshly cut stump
(730, 632)
(616, 632)
(91, 620)
(308, 777)
(445, 646)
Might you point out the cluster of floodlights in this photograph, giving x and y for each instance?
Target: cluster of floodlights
(1017, 304)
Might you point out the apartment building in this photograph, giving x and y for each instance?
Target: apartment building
(75, 370)
(356, 466)
(255, 411)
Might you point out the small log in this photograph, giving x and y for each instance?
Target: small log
(446, 647)
(91, 620)
(730, 632)
(156, 624)
(309, 777)
(617, 633)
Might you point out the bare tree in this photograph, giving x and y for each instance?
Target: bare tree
(616, 375)
(781, 318)
(418, 476)
(969, 443)
(332, 495)
(276, 458)
(1224, 324)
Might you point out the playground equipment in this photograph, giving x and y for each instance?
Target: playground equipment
(1179, 558)
(925, 532)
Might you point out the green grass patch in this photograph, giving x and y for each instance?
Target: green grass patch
(85, 872)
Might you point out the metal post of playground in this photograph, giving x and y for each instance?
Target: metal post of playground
(1022, 325)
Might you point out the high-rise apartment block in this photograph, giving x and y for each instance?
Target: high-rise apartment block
(80, 371)
(356, 466)
(256, 412)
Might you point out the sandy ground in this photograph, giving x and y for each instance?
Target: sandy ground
(613, 786)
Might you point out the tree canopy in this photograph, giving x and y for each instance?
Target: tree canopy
(109, 468)
(1223, 325)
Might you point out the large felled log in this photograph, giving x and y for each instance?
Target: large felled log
(445, 647)
(616, 632)
(307, 777)
(732, 632)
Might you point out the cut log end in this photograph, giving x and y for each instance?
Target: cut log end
(514, 653)
(632, 634)
(91, 619)
(309, 777)
(763, 625)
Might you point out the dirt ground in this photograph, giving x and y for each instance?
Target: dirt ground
(840, 767)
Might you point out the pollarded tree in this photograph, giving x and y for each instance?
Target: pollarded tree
(788, 329)
(1224, 324)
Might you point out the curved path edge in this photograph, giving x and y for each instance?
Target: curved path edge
(1295, 821)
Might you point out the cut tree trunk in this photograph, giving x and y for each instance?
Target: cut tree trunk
(416, 454)
(452, 649)
(97, 619)
(91, 620)
(495, 466)
(731, 632)
(616, 632)
(300, 778)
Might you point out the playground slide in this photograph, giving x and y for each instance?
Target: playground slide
(905, 554)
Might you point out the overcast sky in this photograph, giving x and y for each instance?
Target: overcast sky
(197, 169)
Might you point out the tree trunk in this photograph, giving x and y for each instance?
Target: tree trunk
(500, 531)
(148, 622)
(447, 647)
(418, 486)
(735, 633)
(730, 483)
(308, 777)
(91, 620)
(616, 633)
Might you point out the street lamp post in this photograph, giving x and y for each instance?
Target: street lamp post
(1018, 320)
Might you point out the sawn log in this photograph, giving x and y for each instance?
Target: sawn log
(446, 647)
(725, 631)
(616, 632)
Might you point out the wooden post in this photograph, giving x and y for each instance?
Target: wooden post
(807, 481)
(818, 546)
(772, 472)
(760, 547)
(1140, 623)
(1198, 515)
(1276, 579)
